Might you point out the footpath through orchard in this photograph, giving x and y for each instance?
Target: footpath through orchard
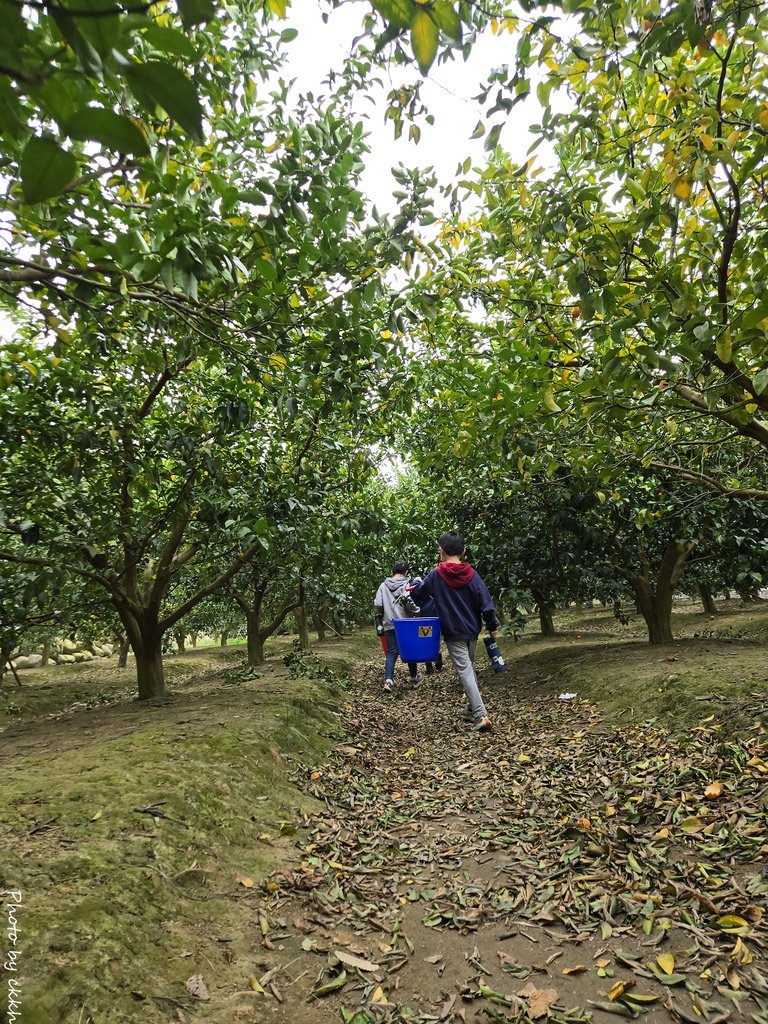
(562, 867)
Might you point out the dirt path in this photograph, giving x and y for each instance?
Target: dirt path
(557, 863)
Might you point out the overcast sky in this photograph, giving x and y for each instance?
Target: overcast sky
(448, 92)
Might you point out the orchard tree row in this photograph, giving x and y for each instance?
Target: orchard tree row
(219, 350)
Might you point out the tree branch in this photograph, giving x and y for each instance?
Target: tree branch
(710, 483)
(218, 583)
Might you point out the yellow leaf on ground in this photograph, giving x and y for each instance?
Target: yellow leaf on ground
(378, 996)
(732, 921)
(713, 791)
(741, 954)
(692, 825)
(666, 962)
(245, 881)
(619, 989)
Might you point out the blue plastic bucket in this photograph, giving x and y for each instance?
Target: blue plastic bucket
(418, 639)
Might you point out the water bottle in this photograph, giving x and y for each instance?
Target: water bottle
(494, 654)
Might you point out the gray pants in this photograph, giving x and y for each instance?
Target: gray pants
(462, 654)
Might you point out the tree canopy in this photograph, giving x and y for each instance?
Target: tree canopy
(222, 355)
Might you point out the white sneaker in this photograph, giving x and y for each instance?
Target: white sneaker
(389, 686)
(417, 680)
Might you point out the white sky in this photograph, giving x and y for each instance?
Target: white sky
(447, 92)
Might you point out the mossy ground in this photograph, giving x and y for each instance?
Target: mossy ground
(716, 665)
(121, 907)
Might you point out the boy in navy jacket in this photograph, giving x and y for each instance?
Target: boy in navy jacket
(463, 603)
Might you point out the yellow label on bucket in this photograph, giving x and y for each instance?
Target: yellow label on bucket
(425, 631)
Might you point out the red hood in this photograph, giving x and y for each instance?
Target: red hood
(456, 574)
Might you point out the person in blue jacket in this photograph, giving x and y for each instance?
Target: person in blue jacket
(463, 602)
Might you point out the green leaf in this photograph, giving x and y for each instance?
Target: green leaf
(252, 195)
(761, 381)
(70, 33)
(331, 986)
(635, 189)
(479, 131)
(424, 37)
(170, 40)
(156, 83)
(46, 169)
(288, 35)
(195, 12)
(113, 131)
(448, 19)
(395, 12)
(492, 140)
(102, 30)
(666, 979)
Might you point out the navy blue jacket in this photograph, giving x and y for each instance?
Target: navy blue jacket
(461, 610)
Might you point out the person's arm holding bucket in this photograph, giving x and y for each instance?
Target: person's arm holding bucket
(420, 589)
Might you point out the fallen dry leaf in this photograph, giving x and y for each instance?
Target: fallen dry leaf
(244, 880)
(196, 987)
(713, 791)
(539, 1000)
(350, 960)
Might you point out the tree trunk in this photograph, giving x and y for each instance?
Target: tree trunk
(256, 650)
(319, 626)
(46, 653)
(5, 660)
(122, 657)
(300, 615)
(180, 638)
(656, 609)
(255, 638)
(707, 600)
(149, 668)
(257, 634)
(193, 639)
(546, 621)
(654, 599)
(544, 604)
(224, 638)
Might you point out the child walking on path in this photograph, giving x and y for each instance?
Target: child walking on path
(387, 608)
(463, 602)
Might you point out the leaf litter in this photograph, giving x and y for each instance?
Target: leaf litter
(559, 830)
